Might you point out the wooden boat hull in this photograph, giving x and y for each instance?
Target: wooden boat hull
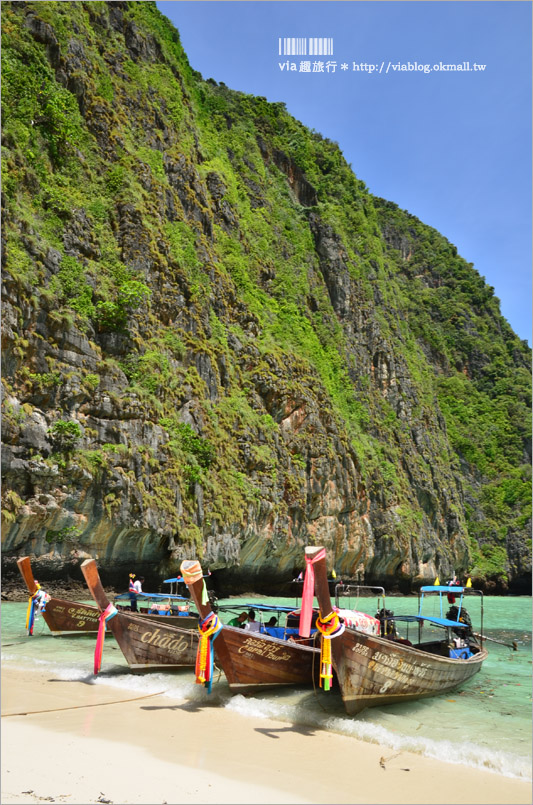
(61, 617)
(149, 643)
(253, 661)
(69, 617)
(374, 671)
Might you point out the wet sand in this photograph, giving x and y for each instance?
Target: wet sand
(74, 742)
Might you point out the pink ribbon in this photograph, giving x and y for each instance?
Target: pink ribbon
(308, 594)
(109, 612)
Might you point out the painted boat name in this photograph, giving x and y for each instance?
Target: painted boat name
(396, 663)
(172, 644)
(274, 652)
(399, 663)
(81, 614)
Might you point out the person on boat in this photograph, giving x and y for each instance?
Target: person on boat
(239, 621)
(41, 598)
(452, 583)
(252, 625)
(271, 625)
(135, 588)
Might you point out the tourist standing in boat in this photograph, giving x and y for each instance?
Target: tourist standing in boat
(135, 588)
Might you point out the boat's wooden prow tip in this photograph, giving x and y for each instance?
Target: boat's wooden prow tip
(92, 577)
(90, 571)
(187, 564)
(312, 550)
(24, 566)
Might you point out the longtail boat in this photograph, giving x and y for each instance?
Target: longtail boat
(388, 668)
(147, 643)
(70, 617)
(253, 660)
(61, 617)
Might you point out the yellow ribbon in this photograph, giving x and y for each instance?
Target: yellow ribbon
(202, 669)
(30, 600)
(327, 626)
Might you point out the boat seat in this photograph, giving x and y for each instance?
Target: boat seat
(460, 653)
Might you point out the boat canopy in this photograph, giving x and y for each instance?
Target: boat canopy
(257, 607)
(430, 619)
(443, 588)
(151, 597)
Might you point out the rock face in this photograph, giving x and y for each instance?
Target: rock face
(217, 343)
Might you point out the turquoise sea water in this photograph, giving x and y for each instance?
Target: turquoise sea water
(485, 724)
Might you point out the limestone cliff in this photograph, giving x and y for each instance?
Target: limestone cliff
(218, 343)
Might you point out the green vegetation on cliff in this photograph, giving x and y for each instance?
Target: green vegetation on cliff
(222, 341)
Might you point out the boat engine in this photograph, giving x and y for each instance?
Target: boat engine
(464, 617)
(387, 626)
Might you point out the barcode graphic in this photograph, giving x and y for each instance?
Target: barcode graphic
(321, 47)
(302, 46)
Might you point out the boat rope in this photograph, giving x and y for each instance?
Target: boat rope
(81, 706)
(209, 629)
(329, 627)
(109, 612)
(8, 645)
(308, 593)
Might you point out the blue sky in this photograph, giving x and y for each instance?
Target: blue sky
(451, 147)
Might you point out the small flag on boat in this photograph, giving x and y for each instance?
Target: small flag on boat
(436, 583)
(468, 582)
(205, 597)
(333, 574)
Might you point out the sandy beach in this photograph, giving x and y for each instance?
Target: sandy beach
(73, 742)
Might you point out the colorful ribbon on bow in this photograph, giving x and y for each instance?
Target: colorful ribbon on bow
(329, 627)
(109, 612)
(308, 593)
(209, 629)
(32, 606)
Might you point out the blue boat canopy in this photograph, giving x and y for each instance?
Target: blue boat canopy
(151, 597)
(443, 588)
(257, 607)
(431, 619)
